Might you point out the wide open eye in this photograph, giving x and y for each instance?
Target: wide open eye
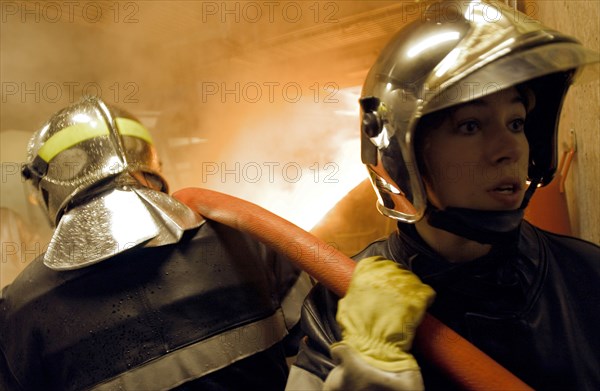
(469, 127)
(517, 125)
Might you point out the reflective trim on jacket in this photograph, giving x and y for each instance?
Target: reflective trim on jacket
(212, 307)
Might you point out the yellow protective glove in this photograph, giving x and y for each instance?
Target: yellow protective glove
(380, 313)
(353, 373)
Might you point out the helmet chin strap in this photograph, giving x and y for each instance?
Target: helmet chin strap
(483, 226)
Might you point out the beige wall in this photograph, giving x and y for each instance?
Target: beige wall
(580, 18)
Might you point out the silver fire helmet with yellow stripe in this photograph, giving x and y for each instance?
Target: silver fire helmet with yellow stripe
(97, 176)
(455, 52)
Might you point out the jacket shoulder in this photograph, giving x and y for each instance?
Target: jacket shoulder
(563, 244)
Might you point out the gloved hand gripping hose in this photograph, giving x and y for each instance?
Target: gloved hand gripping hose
(468, 367)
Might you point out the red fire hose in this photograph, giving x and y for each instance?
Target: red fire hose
(463, 363)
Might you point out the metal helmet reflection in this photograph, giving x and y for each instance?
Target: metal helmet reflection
(81, 147)
(97, 175)
(457, 52)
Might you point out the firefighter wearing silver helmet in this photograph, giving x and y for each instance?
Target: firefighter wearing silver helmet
(97, 176)
(460, 52)
(467, 80)
(136, 291)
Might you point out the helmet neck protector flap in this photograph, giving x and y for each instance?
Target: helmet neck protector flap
(97, 176)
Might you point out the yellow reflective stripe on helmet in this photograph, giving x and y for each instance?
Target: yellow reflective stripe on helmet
(69, 136)
(129, 127)
(75, 134)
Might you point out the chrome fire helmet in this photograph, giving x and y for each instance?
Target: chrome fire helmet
(96, 174)
(455, 52)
